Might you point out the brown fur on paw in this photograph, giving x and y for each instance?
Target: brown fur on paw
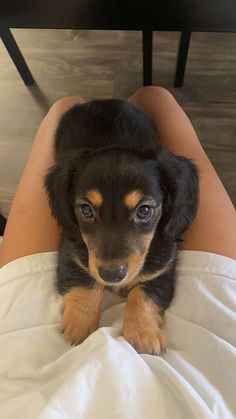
(145, 342)
(142, 324)
(81, 314)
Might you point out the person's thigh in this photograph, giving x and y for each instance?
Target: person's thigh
(214, 229)
(30, 226)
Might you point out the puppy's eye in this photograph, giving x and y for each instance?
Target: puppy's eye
(143, 213)
(86, 212)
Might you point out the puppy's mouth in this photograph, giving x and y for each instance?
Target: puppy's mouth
(120, 273)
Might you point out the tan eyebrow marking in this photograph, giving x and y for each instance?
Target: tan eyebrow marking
(132, 199)
(95, 197)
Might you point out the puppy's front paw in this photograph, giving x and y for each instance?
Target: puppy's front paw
(145, 340)
(142, 324)
(77, 325)
(81, 315)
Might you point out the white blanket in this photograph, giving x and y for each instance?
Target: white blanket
(41, 376)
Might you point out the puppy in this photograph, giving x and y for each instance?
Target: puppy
(122, 204)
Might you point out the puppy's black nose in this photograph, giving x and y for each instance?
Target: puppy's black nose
(114, 275)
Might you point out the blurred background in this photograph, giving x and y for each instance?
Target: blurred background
(108, 64)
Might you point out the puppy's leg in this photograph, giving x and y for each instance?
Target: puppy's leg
(144, 315)
(82, 298)
(81, 313)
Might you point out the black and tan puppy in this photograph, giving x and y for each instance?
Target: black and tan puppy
(122, 204)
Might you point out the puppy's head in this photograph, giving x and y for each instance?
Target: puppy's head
(116, 200)
(117, 206)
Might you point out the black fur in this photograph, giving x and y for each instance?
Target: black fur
(111, 145)
(3, 222)
(161, 290)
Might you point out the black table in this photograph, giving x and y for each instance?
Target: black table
(146, 15)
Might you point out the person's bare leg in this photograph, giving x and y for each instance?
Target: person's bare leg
(214, 229)
(30, 227)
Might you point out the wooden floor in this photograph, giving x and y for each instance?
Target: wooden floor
(99, 64)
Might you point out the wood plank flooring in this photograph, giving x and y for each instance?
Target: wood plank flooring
(108, 64)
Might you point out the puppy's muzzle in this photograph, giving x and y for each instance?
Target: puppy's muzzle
(114, 275)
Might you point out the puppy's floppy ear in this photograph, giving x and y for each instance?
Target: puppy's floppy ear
(179, 183)
(59, 187)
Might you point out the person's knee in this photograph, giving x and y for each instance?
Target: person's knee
(153, 92)
(53, 116)
(65, 103)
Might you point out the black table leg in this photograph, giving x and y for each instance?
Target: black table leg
(182, 58)
(147, 57)
(17, 57)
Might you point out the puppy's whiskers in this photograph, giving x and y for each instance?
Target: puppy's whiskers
(80, 264)
(153, 275)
